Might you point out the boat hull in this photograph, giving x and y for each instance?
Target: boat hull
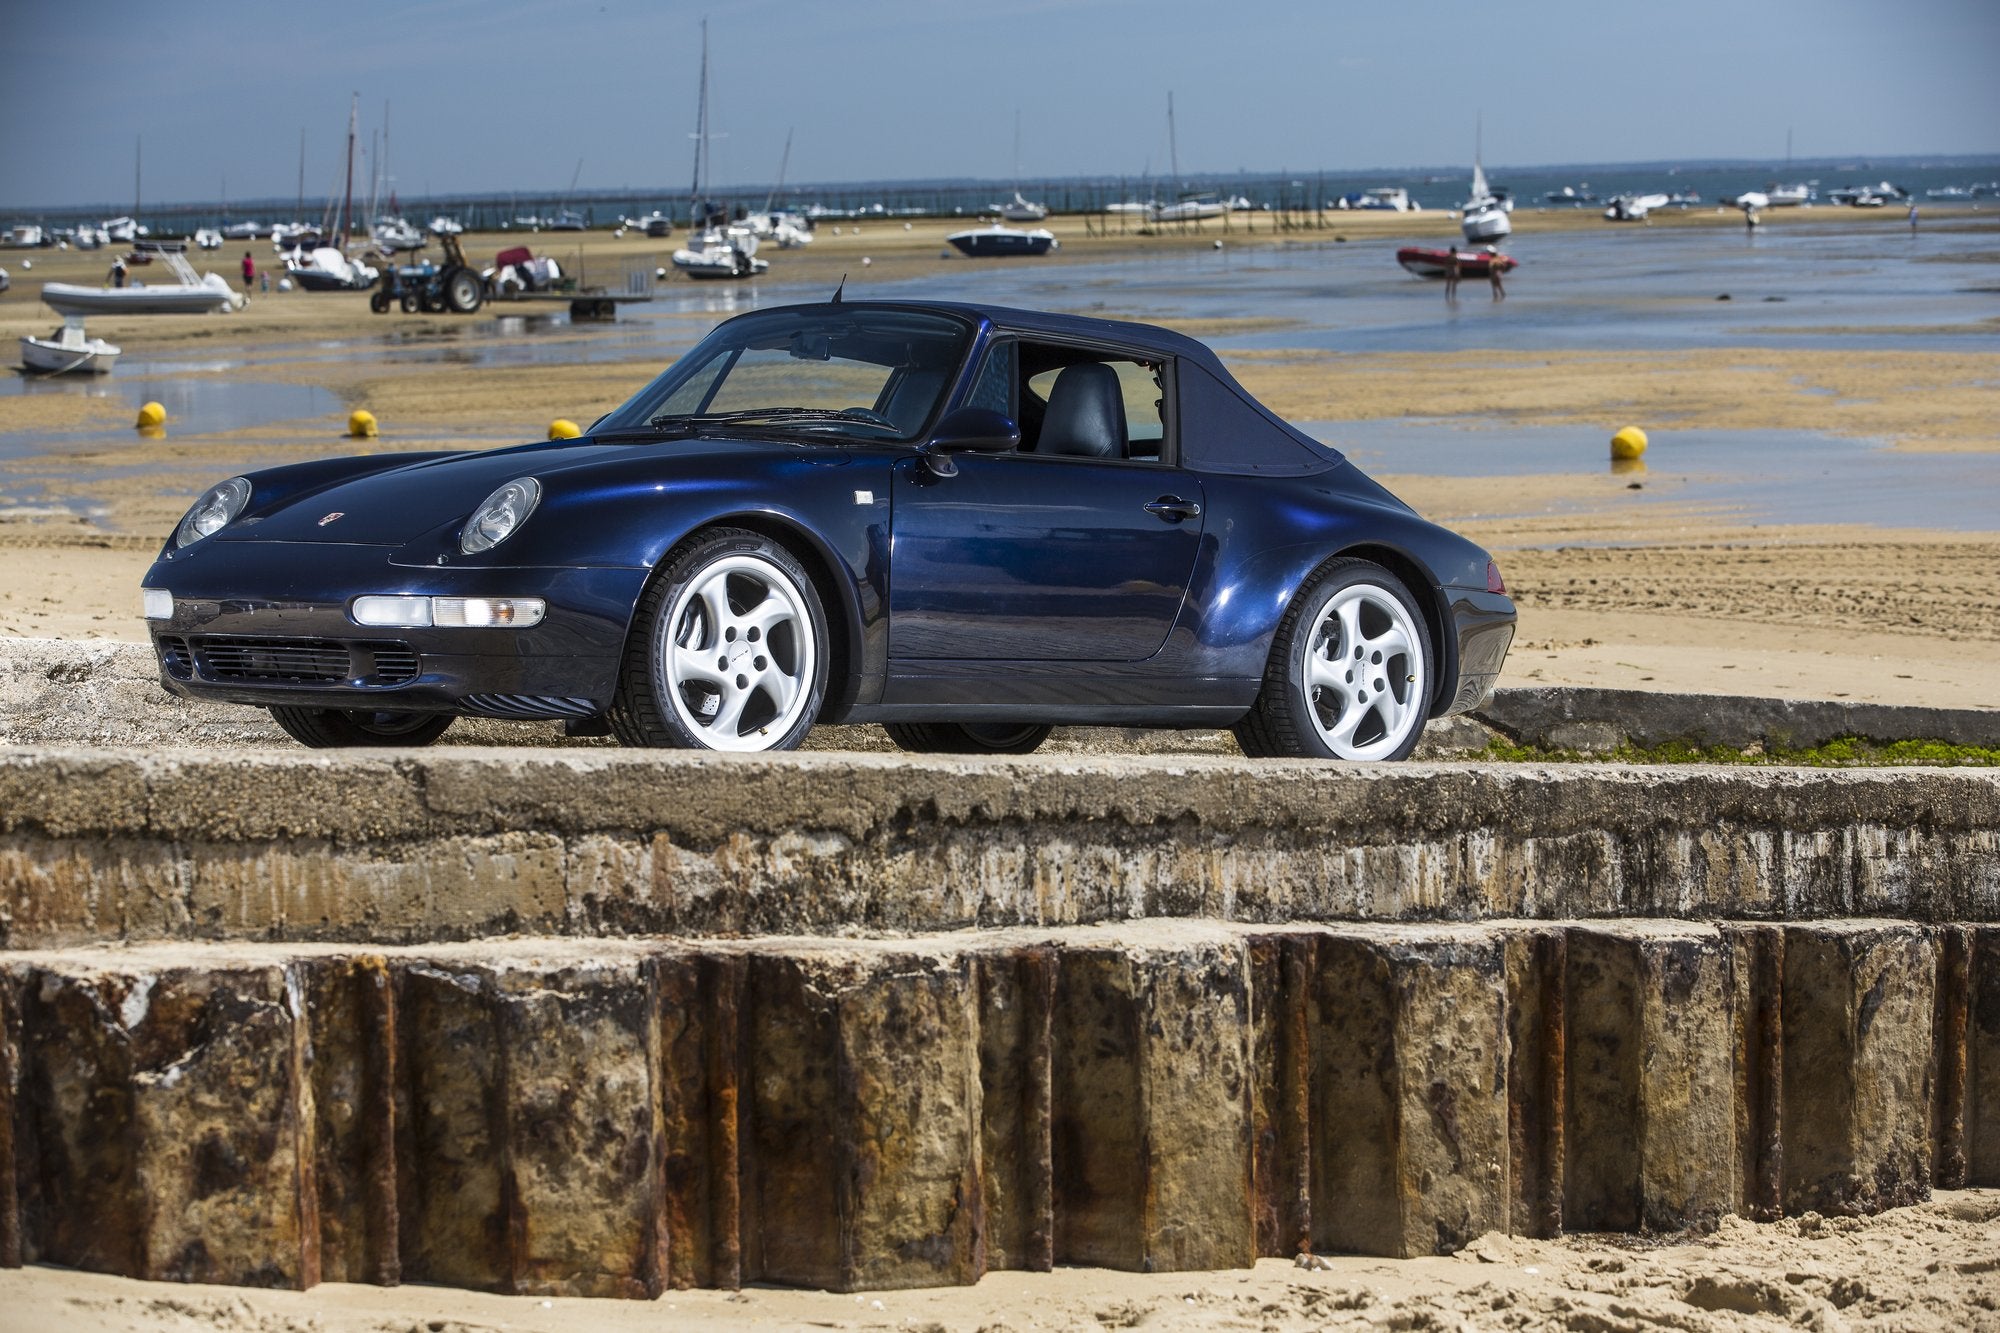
(1486, 224)
(44, 356)
(174, 299)
(1429, 263)
(1001, 242)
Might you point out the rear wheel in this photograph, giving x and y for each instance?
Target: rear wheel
(462, 291)
(728, 651)
(1350, 671)
(333, 728)
(966, 738)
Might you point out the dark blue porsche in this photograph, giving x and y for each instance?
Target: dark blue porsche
(965, 523)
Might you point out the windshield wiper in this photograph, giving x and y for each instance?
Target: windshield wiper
(832, 416)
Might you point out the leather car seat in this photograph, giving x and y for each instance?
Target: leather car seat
(1086, 413)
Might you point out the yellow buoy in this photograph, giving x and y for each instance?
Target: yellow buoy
(361, 424)
(1628, 443)
(151, 415)
(562, 428)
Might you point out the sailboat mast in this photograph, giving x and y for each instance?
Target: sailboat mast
(700, 133)
(1173, 144)
(347, 201)
(138, 145)
(784, 162)
(299, 211)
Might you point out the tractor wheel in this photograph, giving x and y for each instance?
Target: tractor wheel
(379, 302)
(463, 291)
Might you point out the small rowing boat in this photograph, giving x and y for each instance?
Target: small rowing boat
(1428, 263)
(69, 350)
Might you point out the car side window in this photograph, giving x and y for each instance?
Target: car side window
(994, 389)
(1142, 389)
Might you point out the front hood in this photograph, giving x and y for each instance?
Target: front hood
(400, 504)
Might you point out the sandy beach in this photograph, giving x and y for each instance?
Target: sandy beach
(1666, 594)
(1936, 1265)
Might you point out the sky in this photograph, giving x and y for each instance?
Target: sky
(493, 96)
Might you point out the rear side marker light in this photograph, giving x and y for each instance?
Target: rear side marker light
(1494, 583)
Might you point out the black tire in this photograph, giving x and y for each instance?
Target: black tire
(337, 728)
(966, 738)
(463, 291)
(409, 303)
(1297, 719)
(379, 302)
(654, 706)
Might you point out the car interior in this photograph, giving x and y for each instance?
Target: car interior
(1075, 402)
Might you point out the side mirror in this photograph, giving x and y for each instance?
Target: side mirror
(969, 430)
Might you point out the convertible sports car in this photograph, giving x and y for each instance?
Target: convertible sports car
(966, 523)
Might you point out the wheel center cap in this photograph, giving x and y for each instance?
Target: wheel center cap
(738, 651)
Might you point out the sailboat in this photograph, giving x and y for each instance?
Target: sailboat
(1019, 208)
(1192, 206)
(1484, 216)
(716, 249)
(789, 229)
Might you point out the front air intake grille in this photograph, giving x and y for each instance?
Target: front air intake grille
(175, 657)
(229, 657)
(293, 661)
(394, 664)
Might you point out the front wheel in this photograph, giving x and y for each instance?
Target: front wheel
(379, 302)
(1350, 671)
(728, 651)
(966, 738)
(335, 728)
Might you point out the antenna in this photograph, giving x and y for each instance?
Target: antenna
(838, 290)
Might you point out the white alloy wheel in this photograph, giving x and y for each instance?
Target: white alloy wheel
(1365, 676)
(736, 654)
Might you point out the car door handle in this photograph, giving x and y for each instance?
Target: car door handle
(1173, 509)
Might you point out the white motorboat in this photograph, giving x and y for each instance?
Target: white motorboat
(1790, 196)
(1189, 210)
(1387, 198)
(1634, 207)
(191, 294)
(208, 238)
(245, 231)
(328, 270)
(446, 226)
(124, 231)
(394, 233)
(5, 281)
(69, 350)
(721, 252)
(788, 229)
(653, 224)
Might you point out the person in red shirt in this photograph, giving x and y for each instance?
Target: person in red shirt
(249, 272)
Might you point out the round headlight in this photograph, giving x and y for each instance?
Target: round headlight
(503, 511)
(216, 509)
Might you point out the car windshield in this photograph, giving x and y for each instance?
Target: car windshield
(865, 373)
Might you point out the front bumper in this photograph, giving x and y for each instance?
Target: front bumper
(266, 623)
(1482, 626)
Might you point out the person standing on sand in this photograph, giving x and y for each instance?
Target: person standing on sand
(1493, 267)
(249, 273)
(1913, 217)
(1451, 272)
(118, 271)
